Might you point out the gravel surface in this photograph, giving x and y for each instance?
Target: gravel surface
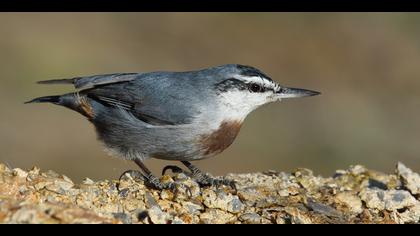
(355, 195)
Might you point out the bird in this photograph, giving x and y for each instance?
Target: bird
(171, 115)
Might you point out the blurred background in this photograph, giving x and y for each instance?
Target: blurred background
(367, 66)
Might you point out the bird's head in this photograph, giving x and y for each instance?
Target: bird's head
(241, 89)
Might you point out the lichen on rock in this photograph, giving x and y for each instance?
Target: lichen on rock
(355, 195)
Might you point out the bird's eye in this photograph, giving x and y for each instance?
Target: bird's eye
(255, 88)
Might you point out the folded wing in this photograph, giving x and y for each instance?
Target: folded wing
(154, 98)
(93, 81)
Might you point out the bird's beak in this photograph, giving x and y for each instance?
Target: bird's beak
(284, 92)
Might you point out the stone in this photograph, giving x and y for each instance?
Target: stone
(322, 208)
(3, 168)
(157, 216)
(357, 170)
(410, 180)
(390, 200)
(124, 217)
(298, 216)
(60, 187)
(223, 201)
(88, 181)
(216, 216)
(20, 173)
(250, 218)
(349, 201)
(67, 179)
(410, 215)
(192, 208)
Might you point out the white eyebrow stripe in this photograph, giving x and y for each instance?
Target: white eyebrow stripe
(258, 80)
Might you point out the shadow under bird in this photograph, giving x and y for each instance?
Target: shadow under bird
(177, 116)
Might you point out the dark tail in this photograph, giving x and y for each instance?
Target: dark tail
(51, 99)
(58, 81)
(74, 101)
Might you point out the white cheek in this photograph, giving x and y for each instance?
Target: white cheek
(237, 104)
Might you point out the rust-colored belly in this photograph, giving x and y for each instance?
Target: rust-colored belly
(220, 139)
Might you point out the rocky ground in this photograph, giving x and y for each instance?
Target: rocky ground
(356, 195)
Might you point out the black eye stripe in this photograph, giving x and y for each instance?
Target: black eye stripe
(236, 84)
(255, 88)
(231, 84)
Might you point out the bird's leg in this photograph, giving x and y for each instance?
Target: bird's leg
(205, 180)
(152, 180)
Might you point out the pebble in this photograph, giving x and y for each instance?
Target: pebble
(222, 201)
(390, 200)
(411, 180)
(250, 218)
(350, 202)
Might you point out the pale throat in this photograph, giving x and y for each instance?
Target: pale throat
(234, 106)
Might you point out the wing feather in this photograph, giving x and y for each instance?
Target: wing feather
(93, 81)
(158, 98)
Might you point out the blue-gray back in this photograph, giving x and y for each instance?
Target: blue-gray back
(167, 97)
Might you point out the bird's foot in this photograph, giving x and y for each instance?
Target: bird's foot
(205, 180)
(201, 178)
(153, 182)
(134, 174)
(174, 187)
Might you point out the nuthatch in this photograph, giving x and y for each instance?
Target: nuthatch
(178, 116)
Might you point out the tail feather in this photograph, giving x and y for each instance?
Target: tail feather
(73, 101)
(51, 99)
(58, 81)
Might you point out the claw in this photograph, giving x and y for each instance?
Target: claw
(174, 169)
(230, 183)
(188, 189)
(135, 174)
(172, 186)
(153, 182)
(207, 181)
